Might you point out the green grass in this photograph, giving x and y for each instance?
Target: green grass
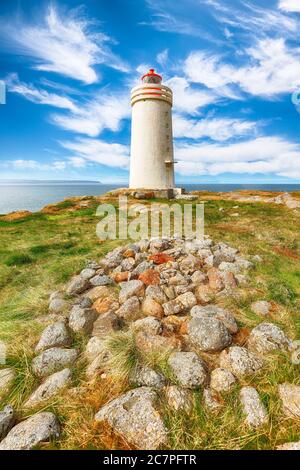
(39, 254)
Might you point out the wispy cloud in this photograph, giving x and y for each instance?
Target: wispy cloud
(35, 165)
(66, 44)
(189, 99)
(36, 95)
(289, 5)
(262, 155)
(98, 151)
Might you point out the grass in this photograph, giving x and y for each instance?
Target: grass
(39, 254)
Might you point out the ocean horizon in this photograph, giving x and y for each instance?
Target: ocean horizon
(34, 195)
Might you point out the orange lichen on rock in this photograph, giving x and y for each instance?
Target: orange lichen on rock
(160, 258)
(150, 277)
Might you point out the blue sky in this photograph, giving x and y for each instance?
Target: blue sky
(233, 66)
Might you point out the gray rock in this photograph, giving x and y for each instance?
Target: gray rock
(289, 446)
(178, 398)
(106, 323)
(290, 397)
(87, 273)
(99, 364)
(77, 285)
(188, 368)
(222, 380)
(240, 361)
(158, 245)
(85, 302)
(7, 419)
(128, 264)
(130, 289)
(101, 280)
(145, 376)
(261, 307)
(180, 304)
(57, 305)
(210, 400)
(94, 347)
(53, 360)
(150, 325)
(230, 267)
(130, 310)
(156, 293)
(213, 311)
(208, 334)
(267, 337)
(31, 432)
(140, 268)
(254, 409)
(81, 320)
(197, 278)
(6, 378)
(135, 417)
(52, 385)
(243, 264)
(54, 335)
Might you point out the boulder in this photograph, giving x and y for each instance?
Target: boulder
(149, 325)
(210, 400)
(152, 308)
(130, 289)
(150, 277)
(140, 268)
(204, 294)
(197, 278)
(53, 360)
(81, 320)
(222, 380)
(134, 416)
(56, 334)
(213, 311)
(7, 419)
(178, 398)
(156, 293)
(101, 280)
(94, 347)
(98, 292)
(87, 273)
(147, 343)
(240, 361)
(215, 279)
(77, 285)
(130, 310)
(180, 304)
(52, 385)
(267, 337)
(31, 432)
(145, 376)
(208, 334)
(106, 324)
(290, 397)
(254, 409)
(103, 304)
(57, 305)
(188, 368)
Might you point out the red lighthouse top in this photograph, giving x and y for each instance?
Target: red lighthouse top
(151, 77)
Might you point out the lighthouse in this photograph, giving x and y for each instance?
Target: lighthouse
(151, 160)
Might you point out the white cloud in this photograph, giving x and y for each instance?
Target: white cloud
(91, 118)
(35, 165)
(62, 44)
(273, 69)
(216, 129)
(262, 155)
(77, 162)
(188, 99)
(289, 5)
(36, 95)
(162, 57)
(97, 151)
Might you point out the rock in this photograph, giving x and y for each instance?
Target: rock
(57, 305)
(99, 363)
(174, 323)
(197, 278)
(128, 264)
(145, 376)
(208, 334)
(243, 264)
(158, 245)
(254, 409)
(210, 400)
(261, 307)
(267, 337)
(150, 277)
(100, 280)
(105, 324)
(31, 432)
(161, 258)
(157, 294)
(229, 280)
(229, 267)
(112, 259)
(53, 360)
(121, 276)
(110, 302)
(85, 302)
(188, 368)
(150, 325)
(94, 347)
(240, 361)
(81, 320)
(178, 398)
(7, 419)
(77, 285)
(98, 292)
(169, 291)
(6, 378)
(152, 308)
(289, 446)
(130, 289)
(203, 294)
(135, 417)
(215, 279)
(179, 305)
(177, 280)
(130, 310)
(222, 380)
(290, 397)
(87, 273)
(190, 264)
(52, 385)
(56, 334)
(147, 343)
(213, 311)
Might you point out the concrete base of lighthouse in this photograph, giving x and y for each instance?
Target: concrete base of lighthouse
(143, 193)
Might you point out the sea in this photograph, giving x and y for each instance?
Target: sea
(33, 196)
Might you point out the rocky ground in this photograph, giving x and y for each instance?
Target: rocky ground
(150, 316)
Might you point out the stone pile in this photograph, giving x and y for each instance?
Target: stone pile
(166, 293)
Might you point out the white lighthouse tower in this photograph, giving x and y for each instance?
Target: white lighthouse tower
(151, 161)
